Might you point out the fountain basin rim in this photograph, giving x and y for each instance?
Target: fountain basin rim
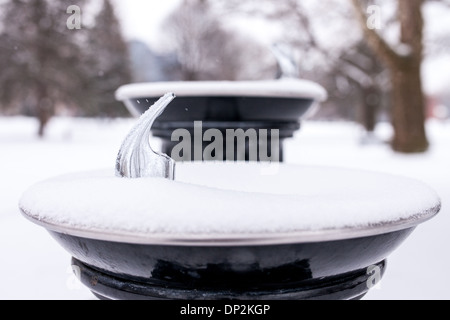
(287, 88)
(238, 240)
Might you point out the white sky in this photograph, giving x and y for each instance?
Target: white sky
(141, 18)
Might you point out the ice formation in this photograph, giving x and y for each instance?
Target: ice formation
(136, 158)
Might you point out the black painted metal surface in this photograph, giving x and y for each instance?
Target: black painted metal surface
(349, 286)
(294, 271)
(229, 109)
(224, 113)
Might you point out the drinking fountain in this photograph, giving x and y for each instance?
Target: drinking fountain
(226, 105)
(155, 228)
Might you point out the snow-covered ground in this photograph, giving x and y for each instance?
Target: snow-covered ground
(34, 266)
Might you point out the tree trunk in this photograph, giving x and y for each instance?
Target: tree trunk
(45, 109)
(408, 110)
(408, 103)
(369, 108)
(43, 118)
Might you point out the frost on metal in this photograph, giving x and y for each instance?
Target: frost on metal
(136, 158)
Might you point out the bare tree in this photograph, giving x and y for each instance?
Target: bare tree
(359, 86)
(352, 74)
(41, 63)
(404, 63)
(46, 66)
(209, 51)
(403, 60)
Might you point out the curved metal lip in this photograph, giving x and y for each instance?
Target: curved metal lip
(238, 240)
(287, 88)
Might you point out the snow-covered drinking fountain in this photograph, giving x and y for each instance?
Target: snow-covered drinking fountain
(156, 228)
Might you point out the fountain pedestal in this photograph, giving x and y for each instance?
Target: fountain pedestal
(349, 286)
(251, 106)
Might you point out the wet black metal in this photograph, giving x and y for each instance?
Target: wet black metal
(349, 286)
(293, 271)
(224, 113)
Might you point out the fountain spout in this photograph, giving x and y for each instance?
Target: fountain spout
(136, 158)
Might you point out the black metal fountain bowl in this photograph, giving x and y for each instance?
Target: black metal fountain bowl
(183, 260)
(238, 269)
(279, 104)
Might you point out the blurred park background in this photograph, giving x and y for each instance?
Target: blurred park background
(380, 60)
(384, 63)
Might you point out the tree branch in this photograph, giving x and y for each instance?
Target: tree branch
(380, 46)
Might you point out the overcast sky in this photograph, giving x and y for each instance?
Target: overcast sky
(141, 18)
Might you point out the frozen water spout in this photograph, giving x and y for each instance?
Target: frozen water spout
(136, 158)
(285, 58)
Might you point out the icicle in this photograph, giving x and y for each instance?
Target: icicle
(136, 158)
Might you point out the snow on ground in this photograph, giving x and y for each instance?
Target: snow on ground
(34, 266)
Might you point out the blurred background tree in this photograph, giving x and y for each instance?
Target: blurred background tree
(48, 69)
(356, 80)
(208, 50)
(363, 72)
(358, 87)
(41, 60)
(404, 61)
